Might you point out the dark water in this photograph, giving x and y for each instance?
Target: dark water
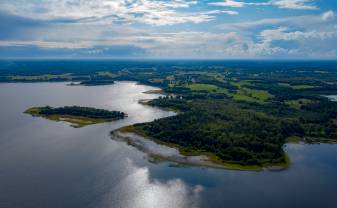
(50, 164)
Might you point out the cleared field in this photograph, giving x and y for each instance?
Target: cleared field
(298, 103)
(207, 88)
(200, 87)
(299, 87)
(296, 87)
(252, 95)
(108, 74)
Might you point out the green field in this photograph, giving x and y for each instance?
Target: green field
(252, 95)
(108, 74)
(201, 87)
(207, 88)
(297, 87)
(298, 103)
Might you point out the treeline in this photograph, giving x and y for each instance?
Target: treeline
(97, 82)
(82, 111)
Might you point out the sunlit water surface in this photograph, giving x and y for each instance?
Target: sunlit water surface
(50, 164)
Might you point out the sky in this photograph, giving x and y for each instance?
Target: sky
(169, 29)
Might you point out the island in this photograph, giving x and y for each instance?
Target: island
(96, 82)
(75, 115)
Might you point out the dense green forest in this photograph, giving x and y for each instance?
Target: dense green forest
(97, 82)
(233, 134)
(81, 111)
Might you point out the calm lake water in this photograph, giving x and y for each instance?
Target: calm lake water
(50, 164)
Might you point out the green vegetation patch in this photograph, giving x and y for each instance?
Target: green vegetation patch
(208, 88)
(300, 87)
(232, 134)
(202, 87)
(241, 83)
(294, 139)
(298, 103)
(297, 87)
(216, 161)
(252, 95)
(108, 74)
(96, 82)
(75, 115)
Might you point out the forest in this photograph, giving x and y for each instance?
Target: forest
(82, 112)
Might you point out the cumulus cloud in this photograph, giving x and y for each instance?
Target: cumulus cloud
(328, 16)
(283, 33)
(270, 38)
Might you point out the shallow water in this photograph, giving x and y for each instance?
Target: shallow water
(50, 164)
(332, 97)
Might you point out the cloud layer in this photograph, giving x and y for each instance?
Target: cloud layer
(168, 29)
(285, 4)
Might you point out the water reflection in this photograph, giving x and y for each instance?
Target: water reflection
(137, 190)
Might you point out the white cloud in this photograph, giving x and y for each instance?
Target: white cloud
(100, 24)
(284, 4)
(229, 12)
(254, 23)
(312, 43)
(328, 16)
(45, 44)
(283, 33)
(189, 44)
(153, 12)
(304, 21)
(229, 3)
(294, 4)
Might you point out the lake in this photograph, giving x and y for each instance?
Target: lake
(50, 164)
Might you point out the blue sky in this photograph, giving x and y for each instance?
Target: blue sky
(209, 29)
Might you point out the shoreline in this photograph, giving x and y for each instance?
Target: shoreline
(137, 139)
(156, 92)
